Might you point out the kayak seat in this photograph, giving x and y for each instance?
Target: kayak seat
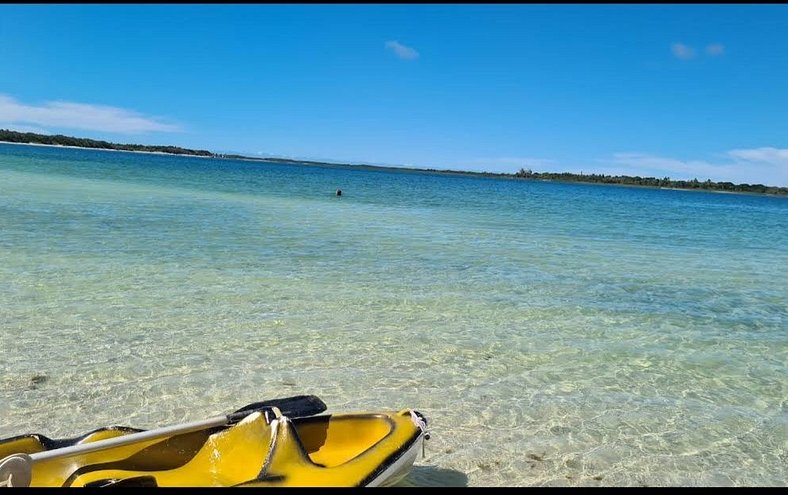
(228, 457)
(336, 441)
(326, 451)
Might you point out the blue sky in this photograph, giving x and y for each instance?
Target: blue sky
(682, 91)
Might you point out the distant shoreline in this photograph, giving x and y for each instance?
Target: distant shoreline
(29, 138)
(105, 149)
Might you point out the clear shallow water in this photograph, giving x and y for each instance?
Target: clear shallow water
(554, 334)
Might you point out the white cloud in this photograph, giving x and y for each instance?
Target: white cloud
(402, 51)
(768, 166)
(83, 116)
(682, 51)
(715, 49)
(657, 166)
(773, 156)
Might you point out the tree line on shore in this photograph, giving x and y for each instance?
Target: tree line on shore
(666, 182)
(58, 139)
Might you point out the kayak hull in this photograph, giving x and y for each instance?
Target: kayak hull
(352, 449)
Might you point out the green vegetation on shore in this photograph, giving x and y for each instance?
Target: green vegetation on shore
(666, 182)
(60, 140)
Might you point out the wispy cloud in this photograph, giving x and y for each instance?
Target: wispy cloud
(659, 166)
(402, 51)
(85, 116)
(686, 52)
(773, 156)
(682, 51)
(715, 49)
(767, 166)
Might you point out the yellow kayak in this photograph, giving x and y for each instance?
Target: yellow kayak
(255, 447)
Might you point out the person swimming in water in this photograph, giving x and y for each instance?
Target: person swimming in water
(339, 192)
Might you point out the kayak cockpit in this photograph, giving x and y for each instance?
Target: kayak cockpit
(330, 441)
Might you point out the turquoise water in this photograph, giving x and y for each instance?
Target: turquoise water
(553, 334)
